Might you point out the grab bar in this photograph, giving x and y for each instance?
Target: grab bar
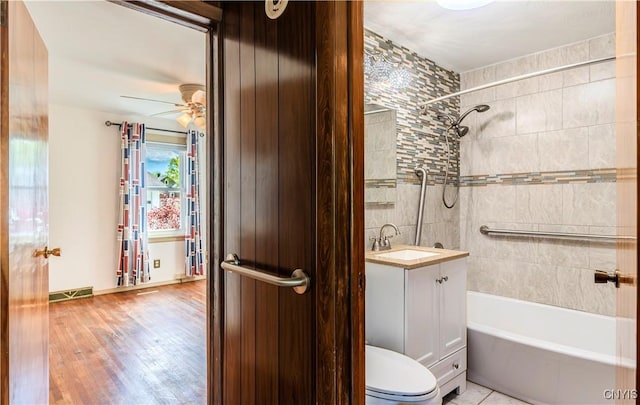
(298, 280)
(485, 230)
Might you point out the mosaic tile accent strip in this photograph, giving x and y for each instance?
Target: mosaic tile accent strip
(560, 177)
(380, 183)
(420, 137)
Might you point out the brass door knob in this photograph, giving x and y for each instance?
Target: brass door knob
(46, 252)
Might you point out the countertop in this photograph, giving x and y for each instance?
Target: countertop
(444, 255)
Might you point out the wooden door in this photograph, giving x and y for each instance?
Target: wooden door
(24, 366)
(627, 198)
(292, 102)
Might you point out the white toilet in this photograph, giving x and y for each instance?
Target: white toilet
(393, 378)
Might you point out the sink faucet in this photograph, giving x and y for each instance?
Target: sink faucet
(383, 242)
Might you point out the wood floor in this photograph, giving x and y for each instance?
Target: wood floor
(137, 347)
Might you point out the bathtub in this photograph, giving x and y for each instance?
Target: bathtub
(540, 353)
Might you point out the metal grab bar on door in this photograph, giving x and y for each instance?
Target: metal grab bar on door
(299, 280)
(485, 230)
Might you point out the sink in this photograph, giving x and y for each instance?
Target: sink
(406, 254)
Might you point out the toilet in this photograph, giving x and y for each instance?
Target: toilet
(393, 378)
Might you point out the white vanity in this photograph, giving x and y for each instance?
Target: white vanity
(416, 305)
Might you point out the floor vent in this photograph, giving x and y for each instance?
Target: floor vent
(58, 296)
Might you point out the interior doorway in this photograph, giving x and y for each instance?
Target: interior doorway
(90, 68)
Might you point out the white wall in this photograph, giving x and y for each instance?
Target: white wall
(84, 173)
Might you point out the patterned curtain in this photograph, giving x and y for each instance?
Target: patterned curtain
(194, 263)
(133, 263)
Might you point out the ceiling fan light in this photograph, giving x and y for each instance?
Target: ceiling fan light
(184, 119)
(200, 122)
(199, 97)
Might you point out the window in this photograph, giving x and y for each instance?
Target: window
(165, 188)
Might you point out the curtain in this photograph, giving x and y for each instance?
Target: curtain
(194, 263)
(133, 263)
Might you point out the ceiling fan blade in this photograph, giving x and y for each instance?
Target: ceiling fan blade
(166, 112)
(155, 101)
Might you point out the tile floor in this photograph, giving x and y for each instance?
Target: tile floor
(477, 394)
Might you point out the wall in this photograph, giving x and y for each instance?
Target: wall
(84, 176)
(542, 158)
(419, 143)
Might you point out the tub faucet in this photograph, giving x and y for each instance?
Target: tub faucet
(383, 242)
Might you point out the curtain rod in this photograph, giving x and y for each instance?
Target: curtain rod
(423, 107)
(119, 125)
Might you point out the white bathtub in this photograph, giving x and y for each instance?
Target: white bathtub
(540, 353)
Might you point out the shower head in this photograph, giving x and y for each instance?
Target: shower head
(478, 108)
(455, 123)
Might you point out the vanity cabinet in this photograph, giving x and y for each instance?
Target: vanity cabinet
(421, 312)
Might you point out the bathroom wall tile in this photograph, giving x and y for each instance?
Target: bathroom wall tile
(550, 81)
(535, 283)
(602, 71)
(589, 204)
(447, 233)
(539, 112)
(602, 256)
(564, 55)
(599, 298)
(407, 202)
(602, 146)
(569, 280)
(378, 216)
(564, 150)
(498, 121)
(539, 204)
(513, 68)
(441, 212)
(563, 253)
(602, 46)
(575, 76)
(476, 78)
(494, 204)
(589, 104)
(513, 154)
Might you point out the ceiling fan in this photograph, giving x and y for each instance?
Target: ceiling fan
(193, 108)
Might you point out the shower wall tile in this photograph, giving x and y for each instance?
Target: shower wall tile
(564, 149)
(419, 137)
(513, 68)
(420, 142)
(602, 146)
(539, 112)
(542, 158)
(539, 204)
(603, 46)
(551, 81)
(498, 121)
(589, 104)
(602, 71)
(575, 76)
(589, 204)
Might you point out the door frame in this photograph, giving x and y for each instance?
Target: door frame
(340, 119)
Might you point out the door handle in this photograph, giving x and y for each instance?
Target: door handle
(46, 252)
(615, 277)
(299, 280)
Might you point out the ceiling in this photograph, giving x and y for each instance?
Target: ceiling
(502, 30)
(111, 50)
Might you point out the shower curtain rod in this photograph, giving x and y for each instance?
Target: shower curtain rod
(423, 107)
(119, 125)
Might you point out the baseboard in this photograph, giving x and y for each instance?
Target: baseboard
(149, 285)
(68, 295)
